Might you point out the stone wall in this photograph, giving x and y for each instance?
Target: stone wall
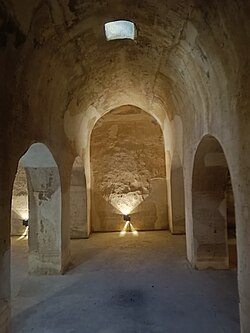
(78, 202)
(128, 171)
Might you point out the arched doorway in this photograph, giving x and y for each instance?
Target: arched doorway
(128, 171)
(43, 212)
(177, 196)
(78, 201)
(213, 208)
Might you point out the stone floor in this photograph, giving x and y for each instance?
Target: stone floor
(124, 285)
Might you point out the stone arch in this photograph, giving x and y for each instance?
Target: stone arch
(127, 178)
(177, 225)
(44, 198)
(78, 201)
(212, 206)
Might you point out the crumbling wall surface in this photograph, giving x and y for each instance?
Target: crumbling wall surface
(128, 171)
(177, 196)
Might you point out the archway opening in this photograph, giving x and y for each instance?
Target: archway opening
(128, 172)
(213, 208)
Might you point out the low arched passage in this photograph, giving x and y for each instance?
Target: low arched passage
(213, 208)
(78, 201)
(44, 200)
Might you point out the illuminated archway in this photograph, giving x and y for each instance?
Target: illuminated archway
(128, 171)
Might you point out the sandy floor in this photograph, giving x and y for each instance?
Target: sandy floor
(124, 285)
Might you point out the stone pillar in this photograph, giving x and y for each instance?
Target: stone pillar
(177, 196)
(242, 211)
(65, 222)
(78, 204)
(5, 209)
(4, 270)
(45, 205)
(44, 220)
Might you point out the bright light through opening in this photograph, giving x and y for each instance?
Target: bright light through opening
(120, 30)
(25, 234)
(128, 227)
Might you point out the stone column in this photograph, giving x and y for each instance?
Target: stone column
(242, 210)
(5, 209)
(210, 230)
(44, 220)
(177, 197)
(45, 206)
(78, 204)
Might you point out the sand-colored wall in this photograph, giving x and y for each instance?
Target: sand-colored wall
(128, 171)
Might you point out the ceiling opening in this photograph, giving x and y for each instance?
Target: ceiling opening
(120, 29)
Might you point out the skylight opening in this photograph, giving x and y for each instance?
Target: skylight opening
(120, 30)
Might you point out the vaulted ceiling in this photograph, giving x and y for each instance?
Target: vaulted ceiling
(187, 53)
